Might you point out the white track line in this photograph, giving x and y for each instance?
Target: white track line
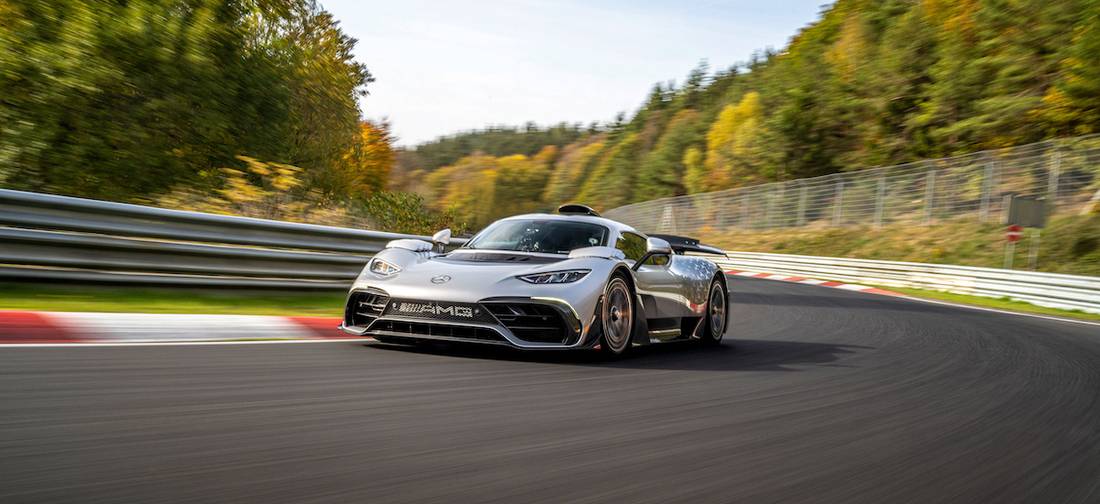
(995, 310)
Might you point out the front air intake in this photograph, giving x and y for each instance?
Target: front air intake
(363, 307)
(532, 322)
(433, 330)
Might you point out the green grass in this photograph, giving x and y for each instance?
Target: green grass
(996, 303)
(15, 296)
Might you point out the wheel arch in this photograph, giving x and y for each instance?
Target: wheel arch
(722, 279)
(640, 331)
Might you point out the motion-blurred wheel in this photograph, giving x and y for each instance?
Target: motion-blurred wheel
(617, 317)
(715, 324)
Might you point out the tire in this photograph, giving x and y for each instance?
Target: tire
(714, 323)
(616, 317)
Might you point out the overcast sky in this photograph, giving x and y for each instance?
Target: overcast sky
(444, 66)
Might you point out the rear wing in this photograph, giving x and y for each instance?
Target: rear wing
(682, 244)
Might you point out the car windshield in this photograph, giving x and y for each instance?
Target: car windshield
(549, 236)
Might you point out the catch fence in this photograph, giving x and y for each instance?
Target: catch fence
(1063, 172)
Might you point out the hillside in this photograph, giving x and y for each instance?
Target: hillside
(1070, 244)
(869, 83)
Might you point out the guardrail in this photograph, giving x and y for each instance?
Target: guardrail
(1069, 292)
(58, 238)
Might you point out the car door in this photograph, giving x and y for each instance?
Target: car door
(660, 288)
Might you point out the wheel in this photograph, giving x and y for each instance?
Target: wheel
(714, 327)
(616, 317)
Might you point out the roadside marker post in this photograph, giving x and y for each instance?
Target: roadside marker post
(1012, 235)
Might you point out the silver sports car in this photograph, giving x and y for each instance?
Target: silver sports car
(571, 280)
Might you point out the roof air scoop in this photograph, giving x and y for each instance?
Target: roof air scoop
(575, 209)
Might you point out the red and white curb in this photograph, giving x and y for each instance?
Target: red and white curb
(23, 327)
(813, 281)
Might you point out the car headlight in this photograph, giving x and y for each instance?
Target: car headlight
(381, 267)
(555, 277)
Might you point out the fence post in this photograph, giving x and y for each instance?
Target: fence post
(1053, 174)
(745, 209)
(838, 203)
(880, 197)
(1033, 249)
(715, 207)
(668, 220)
(802, 195)
(987, 190)
(770, 199)
(929, 195)
(777, 206)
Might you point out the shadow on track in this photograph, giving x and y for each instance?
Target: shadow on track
(737, 355)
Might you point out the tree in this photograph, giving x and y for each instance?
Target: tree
(403, 212)
(661, 170)
(737, 146)
(324, 83)
(522, 181)
(1072, 105)
(366, 166)
(496, 141)
(1017, 68)
(695, 171)
(123, 100)
(610, 183)
(570, 170)
(871, 82)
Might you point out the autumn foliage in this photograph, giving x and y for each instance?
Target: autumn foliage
(870, 83)
(252, 107)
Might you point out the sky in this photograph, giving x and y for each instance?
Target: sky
(444, 66)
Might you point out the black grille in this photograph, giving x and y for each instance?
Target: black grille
(433, 329)
(532, 321)
(438, 311)
(363, 307)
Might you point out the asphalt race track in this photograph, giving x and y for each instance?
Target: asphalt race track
(818, 395)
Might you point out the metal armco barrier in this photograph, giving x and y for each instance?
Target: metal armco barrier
(1069, 292)
(58, 238)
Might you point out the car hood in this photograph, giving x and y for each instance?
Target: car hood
(471, 276)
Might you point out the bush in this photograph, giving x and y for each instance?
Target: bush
(403, 212)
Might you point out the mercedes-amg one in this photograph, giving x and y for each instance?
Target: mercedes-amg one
(570, 280)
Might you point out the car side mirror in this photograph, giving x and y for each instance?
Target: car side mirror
(657, 246)
(442, 238)
(653, 247)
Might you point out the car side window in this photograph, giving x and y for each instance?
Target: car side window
(632, 245)
(657, 260)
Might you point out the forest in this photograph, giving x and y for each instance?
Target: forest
(870, 83)
(254, 107)
(247, 107)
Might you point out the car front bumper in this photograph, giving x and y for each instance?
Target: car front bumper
(523, 322)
